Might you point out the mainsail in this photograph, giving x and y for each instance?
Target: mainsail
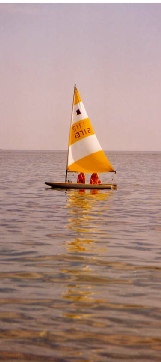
(85, 153)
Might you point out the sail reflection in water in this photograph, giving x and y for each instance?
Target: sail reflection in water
(85, 209)
(85, 216)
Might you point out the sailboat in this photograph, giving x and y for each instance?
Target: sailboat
(85, 153)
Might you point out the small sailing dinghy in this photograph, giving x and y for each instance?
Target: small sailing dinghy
(85, 153)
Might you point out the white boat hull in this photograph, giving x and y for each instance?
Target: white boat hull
(72, 185)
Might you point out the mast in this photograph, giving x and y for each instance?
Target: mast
(69, 135)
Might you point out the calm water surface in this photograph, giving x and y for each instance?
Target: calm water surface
(80, 273)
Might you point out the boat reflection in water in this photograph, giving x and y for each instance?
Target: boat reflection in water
(85, 210)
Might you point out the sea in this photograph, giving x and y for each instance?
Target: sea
(80, 272)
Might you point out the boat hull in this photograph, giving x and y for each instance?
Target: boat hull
(72, 185)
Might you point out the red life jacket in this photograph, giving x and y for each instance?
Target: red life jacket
(81, 178)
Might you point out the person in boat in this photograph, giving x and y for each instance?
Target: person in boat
(95, 180)
(81, 178)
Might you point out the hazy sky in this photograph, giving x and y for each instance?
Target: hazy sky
(111, 51)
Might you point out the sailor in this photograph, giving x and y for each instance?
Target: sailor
(95, 179)
(81, 178)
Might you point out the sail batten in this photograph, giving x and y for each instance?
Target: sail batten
(85, 153)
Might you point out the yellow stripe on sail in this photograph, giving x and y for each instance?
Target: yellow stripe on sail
(95, 162)
(77, 97)
(80, 130)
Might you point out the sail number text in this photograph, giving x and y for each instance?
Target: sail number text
(79, 132)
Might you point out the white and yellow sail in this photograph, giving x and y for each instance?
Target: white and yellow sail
(85, 153)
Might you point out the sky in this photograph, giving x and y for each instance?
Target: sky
(112, 52)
